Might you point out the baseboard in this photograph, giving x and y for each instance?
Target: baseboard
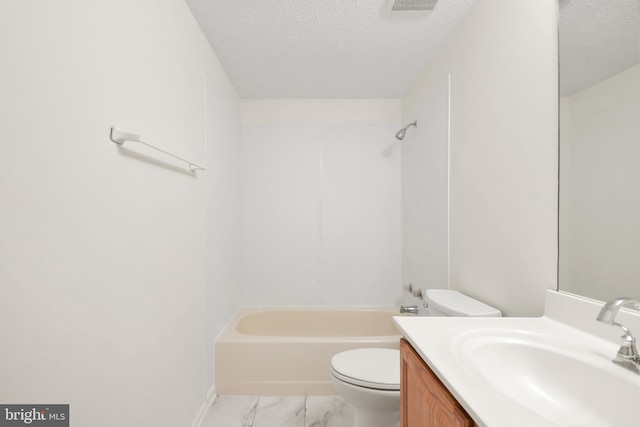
(209, 399)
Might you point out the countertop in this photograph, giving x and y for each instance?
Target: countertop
(440, 341)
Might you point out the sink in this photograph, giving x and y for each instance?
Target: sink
(562, 380)
(556, 370)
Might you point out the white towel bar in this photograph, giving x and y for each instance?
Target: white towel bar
(119, 137)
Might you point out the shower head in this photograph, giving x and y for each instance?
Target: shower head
(402, 132)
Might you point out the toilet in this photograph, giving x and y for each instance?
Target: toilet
(445, 302)
(369, 378)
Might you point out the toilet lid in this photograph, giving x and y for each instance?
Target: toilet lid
(377, 368)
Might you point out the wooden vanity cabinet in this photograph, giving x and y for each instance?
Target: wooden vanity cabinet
(425, 401)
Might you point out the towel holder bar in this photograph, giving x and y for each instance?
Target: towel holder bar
(119, 136)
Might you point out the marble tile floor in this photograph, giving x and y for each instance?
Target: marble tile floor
(278, 411)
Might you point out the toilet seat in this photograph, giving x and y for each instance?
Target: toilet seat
(375, 368)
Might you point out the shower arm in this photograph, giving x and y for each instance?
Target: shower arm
(402, 132)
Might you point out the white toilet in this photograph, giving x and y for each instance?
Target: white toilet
(369, 378)
(444, 302)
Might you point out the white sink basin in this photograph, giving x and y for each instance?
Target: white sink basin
(561, 380)
(527, 372)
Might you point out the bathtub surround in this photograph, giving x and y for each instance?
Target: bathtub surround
(425, 194)
(102, 295)
(320, 203)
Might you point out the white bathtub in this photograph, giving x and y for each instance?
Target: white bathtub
(287, 351)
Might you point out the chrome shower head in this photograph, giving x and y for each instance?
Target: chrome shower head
(402, 132)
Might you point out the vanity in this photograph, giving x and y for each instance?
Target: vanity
(555, 370)
(425, 401)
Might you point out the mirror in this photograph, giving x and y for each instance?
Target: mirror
(599, 219)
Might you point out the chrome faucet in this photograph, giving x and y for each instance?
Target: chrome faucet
(409, 309)
(627, 355)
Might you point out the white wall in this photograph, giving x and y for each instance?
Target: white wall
(103, 249)
(320, 202)
(223, 214)
(503, 191)
(600, 197)
(104, 302)
(425, 193)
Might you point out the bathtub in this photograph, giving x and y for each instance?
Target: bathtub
(287, 351)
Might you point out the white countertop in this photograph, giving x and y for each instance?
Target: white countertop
(440, 341)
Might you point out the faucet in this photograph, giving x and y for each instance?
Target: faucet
(412, 309)
(409, 309)
(627, 355)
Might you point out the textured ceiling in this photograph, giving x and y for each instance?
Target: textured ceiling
(324, 48)
(598, 38)
(359, 49)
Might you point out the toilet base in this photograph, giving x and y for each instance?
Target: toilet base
(371, 408)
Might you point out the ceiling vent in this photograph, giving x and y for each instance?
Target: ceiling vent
(408, 5)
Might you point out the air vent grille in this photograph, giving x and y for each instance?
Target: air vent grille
(404, 5)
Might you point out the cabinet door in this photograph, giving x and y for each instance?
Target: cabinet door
(425, 400)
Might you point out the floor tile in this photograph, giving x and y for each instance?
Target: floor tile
(231, 411)
(272, 411)
(288, 411)
(328, 411)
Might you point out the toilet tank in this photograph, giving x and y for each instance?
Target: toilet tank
(445, 302)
